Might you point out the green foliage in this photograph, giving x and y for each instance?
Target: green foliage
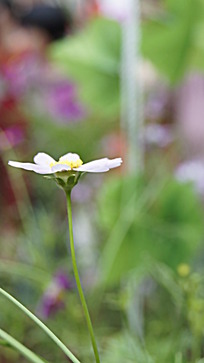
(92, 59)
(164, 221)
(148, 313)
(171, 41)
(168, 309)
(126, 348)
(166, 278)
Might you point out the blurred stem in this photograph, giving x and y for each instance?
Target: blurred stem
(77, 278)
(196, 348)
(32, 357)
(54, 338)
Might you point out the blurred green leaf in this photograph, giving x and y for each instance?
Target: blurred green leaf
(167, 225)
(126, 348)
(169, 40)
(83, 138)
(92, 59)
(167, 278)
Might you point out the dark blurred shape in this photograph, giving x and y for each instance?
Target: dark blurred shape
(6, 14)
(11, 8)
(5, 4)
(50, 19)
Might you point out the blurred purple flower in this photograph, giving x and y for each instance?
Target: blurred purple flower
(157, 135)
(192, 171)
(53, 299)
(63, 104)
(57, 95)
(22, 74)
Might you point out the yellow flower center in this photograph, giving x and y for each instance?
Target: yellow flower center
(71, 163)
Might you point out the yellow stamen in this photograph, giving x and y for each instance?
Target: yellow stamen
(72, 164)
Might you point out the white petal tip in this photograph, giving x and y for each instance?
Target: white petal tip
(13, 163)
(100, 165)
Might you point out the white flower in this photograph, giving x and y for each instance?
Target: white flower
(45, 164)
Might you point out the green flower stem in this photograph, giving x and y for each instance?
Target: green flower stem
(32, 357)
(41, 325)
(77, 278)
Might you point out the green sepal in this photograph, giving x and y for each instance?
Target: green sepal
(65, 179)
(72, 180)
(60, 182)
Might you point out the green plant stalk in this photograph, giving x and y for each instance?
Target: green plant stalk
(77, 278)
(27, 353)
(55, 339)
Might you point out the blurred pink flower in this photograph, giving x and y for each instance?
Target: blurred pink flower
(11, 137)
(22, 74)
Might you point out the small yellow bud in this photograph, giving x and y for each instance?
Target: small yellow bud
(183, 269)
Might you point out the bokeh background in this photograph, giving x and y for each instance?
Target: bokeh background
(105, 79)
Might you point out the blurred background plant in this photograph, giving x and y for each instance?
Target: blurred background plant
(69, 81)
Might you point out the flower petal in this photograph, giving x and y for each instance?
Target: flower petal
(60, 167)
(70, 157)
(43, 159)
(100, 165)
(32, 167)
